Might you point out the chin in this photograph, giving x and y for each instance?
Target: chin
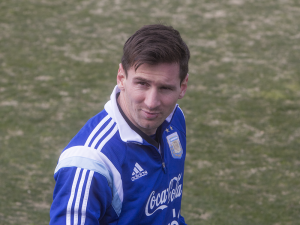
(150, 126)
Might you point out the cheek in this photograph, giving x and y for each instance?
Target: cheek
(170, 100)
(135, 97)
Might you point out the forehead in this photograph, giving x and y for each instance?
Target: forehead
(163, 72)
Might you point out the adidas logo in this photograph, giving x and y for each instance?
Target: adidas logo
(138, 172)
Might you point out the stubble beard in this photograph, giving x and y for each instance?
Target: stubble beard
(144, 124)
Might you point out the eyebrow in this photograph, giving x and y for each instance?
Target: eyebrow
(148, 81)
(141, 79)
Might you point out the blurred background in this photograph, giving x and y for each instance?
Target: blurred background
(58, 66)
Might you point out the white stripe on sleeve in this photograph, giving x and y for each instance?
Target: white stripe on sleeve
(68, 217)
(86, 197)
(107, 138)
(79, 196)
(111, 123)
(96, 130)
(89, 153)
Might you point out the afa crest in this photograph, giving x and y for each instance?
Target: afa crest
(175, 145)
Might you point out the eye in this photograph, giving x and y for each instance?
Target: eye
(142, 84)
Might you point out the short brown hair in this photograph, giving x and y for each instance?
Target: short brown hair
(153, 44)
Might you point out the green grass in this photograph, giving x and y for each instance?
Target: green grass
(58, 65)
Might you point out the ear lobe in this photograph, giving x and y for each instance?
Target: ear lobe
(121, 77)
(183, 86)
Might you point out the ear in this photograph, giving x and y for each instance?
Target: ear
(121, 77)
(183, 86)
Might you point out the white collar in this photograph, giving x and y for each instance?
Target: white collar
(126, 133)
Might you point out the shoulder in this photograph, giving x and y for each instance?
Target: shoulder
(97, 143)
(96, 132)
(96, 150)
(178, 119)
(99, 163)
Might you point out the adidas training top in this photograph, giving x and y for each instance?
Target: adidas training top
(112, 173)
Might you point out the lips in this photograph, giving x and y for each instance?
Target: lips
(150, 115)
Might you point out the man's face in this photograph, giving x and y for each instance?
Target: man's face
(149, 95)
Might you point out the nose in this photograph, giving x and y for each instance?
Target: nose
(152, 100)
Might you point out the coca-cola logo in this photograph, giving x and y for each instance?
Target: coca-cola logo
(161, 200)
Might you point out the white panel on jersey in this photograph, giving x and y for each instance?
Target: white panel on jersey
(91, 159)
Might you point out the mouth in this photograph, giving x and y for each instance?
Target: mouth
(150, 115)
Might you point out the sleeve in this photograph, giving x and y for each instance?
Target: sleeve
(181, 220)
(80, 196)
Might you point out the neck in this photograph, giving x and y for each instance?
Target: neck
(134, 127)
(122, 103)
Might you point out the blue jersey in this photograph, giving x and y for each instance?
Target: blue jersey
(111, 174)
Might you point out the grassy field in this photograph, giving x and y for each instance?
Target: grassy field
(58, 65)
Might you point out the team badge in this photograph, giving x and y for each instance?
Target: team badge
(175, 145)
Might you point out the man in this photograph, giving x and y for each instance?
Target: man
(125, 166)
